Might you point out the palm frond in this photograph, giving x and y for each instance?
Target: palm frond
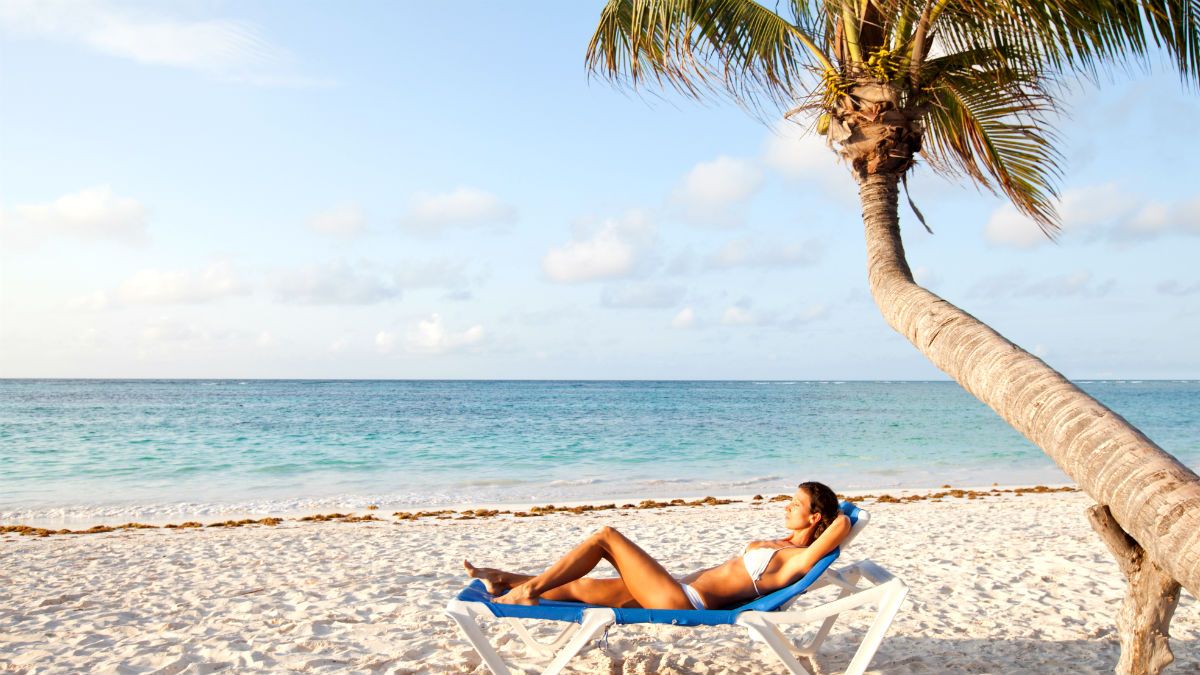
(987, 120)
(705, 46)
(1080, 36)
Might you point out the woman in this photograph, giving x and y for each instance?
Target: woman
(816, 525)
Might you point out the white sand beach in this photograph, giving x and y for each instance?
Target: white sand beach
(1005, 584)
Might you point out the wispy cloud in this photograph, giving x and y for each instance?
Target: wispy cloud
(684, 319)
(344, 220)
(169, 287)
(746, 252)
(807, 315)
(92, 213)
(737, 316)
(338, 283)
(1176, 288)
(431, 214)
(642, 296)
(222, 48)
(364, 282)
(1019, 285)
(1105, 212)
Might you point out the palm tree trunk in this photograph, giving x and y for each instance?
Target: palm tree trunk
(1152, 496)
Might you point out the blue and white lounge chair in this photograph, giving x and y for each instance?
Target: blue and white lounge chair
(862, 584)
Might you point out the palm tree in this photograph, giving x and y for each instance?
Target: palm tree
(970, 86)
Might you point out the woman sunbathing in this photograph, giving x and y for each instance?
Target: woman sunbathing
(763, 566)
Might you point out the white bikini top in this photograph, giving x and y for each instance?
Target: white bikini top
(756, 561)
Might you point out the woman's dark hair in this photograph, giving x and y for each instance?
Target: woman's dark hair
(824, 503)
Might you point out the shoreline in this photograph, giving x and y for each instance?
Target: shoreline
(506, 510)
(73, 509)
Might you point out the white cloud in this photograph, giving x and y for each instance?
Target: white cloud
(686, 318)
(1098, 212)
(265, 339)
(1019, 285)
(218, 280)
(737, 316)
(1077, 283)
(166, 329)
(794, 150)
(709, 192)
(385, 342)
(430, 336)
(434, 273)
(721, 181)
(807, 315)
(464, 207)
(364, 282)
(92, 213)
(926, 277)
(1007, 227)
(87, 339)
(346, 220)
(1153, 219)
(336, 284)
(1173, 287)
(92, 302)
(339, 345)
(168, 287)
(645, 296)
(223, 48)
(747, 253)
(612, 251)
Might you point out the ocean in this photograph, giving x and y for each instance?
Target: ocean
(75, 451)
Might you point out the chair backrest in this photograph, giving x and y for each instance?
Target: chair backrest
(858, 520)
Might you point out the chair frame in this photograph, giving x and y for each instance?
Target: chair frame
(863, 584)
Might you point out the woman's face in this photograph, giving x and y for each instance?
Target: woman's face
(799, 513)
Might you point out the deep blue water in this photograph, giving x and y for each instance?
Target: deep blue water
(88, 448)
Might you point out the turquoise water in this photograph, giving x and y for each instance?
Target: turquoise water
(82, 449)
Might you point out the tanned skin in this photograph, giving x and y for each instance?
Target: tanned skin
(644, 582)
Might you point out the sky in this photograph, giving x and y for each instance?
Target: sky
(272, 189)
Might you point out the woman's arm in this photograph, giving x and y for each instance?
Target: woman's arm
(833, 535)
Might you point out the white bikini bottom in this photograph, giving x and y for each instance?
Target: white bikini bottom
(693, 596)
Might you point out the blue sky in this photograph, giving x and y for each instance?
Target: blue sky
(426, 190)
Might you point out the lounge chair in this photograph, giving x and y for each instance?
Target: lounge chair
(761, 617)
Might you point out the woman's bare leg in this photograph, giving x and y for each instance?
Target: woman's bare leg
(607, 592)
(648, 583)
(496, 581)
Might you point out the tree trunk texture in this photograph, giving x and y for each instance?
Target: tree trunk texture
(1151, 495)
(1144, 620)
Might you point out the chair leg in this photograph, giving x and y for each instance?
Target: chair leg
(823, 632)
(889, 605)
(461, 615)
(594, 621)
(545, 649)
(764, 631)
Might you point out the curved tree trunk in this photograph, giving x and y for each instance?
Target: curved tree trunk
(1151, 495)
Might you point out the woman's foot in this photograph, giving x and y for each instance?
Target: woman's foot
(519, 595)
(495, 581)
